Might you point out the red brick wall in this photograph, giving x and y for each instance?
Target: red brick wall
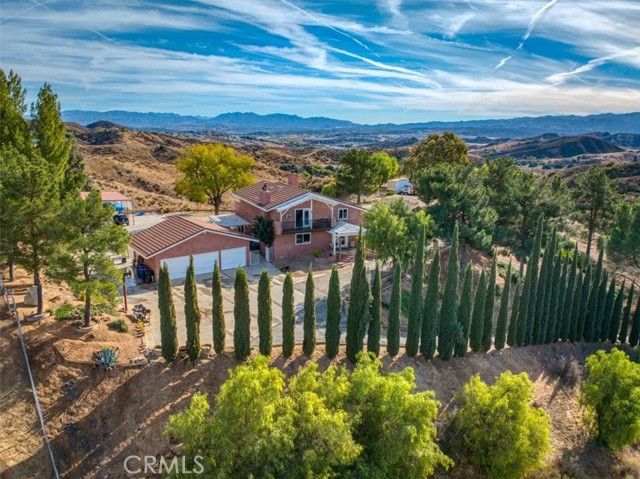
(285, 245)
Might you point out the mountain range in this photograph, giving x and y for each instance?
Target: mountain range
(278, 123)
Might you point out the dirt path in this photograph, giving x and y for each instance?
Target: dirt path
(22, 451)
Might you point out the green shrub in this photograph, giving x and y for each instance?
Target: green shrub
(611, 397)
(67, 311)
(497, 431)
(106, 359)
(119, 325)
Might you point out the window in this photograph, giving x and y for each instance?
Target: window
(303, 238)
(343, 214)
(288, 216)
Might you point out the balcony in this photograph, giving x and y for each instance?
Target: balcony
(320, 224)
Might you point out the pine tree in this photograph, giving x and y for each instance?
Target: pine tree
(610, 299)
(431, 309)
(576, 308)
(264, 314)
(358, 313)
(415, 299)
(553, 304)
(393, 329)
(616, 316)
(217, 311)
(626, 317)
(309, 321)
(562, 292)
(513, 319)
(241, 316)
(477, 319)
(590, 331)
(568, 327)
(533, 271)
(490, 301)
(586, 292)
(334, 315)
(523, 311)
(192, 313)
(634, 336)
(503, 315)
(465, 310)
(168, 329)
(449, 311)
(288, 317)
(375, 324)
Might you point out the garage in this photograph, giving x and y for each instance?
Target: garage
(234, 258)
(202, 264)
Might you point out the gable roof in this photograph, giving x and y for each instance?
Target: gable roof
(174, 230)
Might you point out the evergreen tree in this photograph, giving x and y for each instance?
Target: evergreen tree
(168, 328)
(634, 336)
(523, 311)
(490, 301)
(545, 283)
(560, 294)
(513, 319)
(14, 129)
(415, 300)
(449, 311)
(264, 314)
(477, 319)
(373, 335)
(610, 299)
(217, 311)
(431, 309)
(590, 331)
(602, 307)
(541, 287)
(358, 313)
(576, 308)
(584, 304)
(626, 317)
(192, 313)
(568, 327)
(533, 271)
(393, 329)
(309, 321)
(616, 316)
(552, 303)
(465, 310)
(288, 317)
(334, 315)
(241, 316)
(503, 315)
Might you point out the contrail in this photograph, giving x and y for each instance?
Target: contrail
(25, 11)
(527, 34)
(560, 78)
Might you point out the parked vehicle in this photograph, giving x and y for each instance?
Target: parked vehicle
(406, 190)
(121, 219)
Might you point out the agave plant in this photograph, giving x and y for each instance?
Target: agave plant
(107, 358)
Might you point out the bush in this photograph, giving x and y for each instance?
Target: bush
(67, 311)
(119, 325)
(611, 397)
(497, 430)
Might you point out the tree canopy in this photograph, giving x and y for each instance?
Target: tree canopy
(362, 173)
(623, 246)
(446, 148)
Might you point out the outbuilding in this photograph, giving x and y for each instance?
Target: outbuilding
(399, 185)
(176, 238)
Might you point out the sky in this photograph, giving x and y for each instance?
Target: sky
(368, 61)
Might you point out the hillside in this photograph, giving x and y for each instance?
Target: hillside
(549, 146)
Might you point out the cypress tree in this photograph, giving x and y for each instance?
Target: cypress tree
(288, 317)
(523, 311)
(358, 314)
(217, 311)
(626, 317)
(241, 316)
(503, 314)
(634, 336)
(477, 319)
(431, 309)
(616, 316)
(449, 311)
(334, 315)
(393, 329)
(533, 271)
(553, 304)
(264, 314)
(465, 310)
(590, 331)
(610, 299)
(545, 284)
(192, 313)
(309, 321)
(168, 329)
(568, 327)
(576, 308)
(541, 289)
(415, 300)
(562, 292)
(602, 307)
(373, 335)
(513, 319)
(490, 301)
(585, 294)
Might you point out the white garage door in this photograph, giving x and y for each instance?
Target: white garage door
(233, 258)
(202, 264)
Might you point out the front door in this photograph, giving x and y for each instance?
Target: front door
(303, 218)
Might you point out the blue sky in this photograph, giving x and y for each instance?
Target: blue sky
(369, 61)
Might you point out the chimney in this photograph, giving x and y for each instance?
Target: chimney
(265, 195)
(292, 179)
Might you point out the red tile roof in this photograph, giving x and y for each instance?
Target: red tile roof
(173, 230)
(107, 196)
(280, 193)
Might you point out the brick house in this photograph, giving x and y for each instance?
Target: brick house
(304, 221)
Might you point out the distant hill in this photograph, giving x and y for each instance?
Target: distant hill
(549, 146)
(252, 123)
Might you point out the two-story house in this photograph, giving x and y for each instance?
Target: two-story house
(304, 221)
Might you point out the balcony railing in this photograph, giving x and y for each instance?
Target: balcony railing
(320, 224)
